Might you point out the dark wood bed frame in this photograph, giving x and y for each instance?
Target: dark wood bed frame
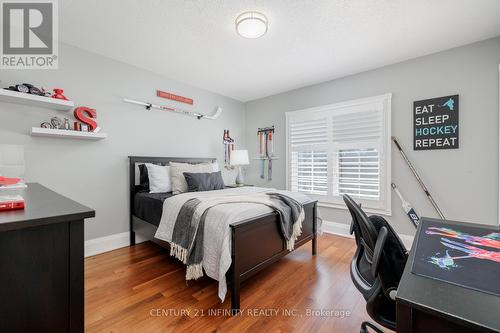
(256, 243)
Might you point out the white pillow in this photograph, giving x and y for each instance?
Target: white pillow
(179, 184)
(159, 178)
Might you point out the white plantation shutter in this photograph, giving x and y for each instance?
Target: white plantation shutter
(342, 149)
(358, 173)
(308, 133)
(357, 138)
(309, 170)
(309, 161)
(357, 126)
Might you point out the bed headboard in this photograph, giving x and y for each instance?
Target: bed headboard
(135, 161)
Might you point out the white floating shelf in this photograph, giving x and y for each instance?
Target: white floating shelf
(16, 97)
(60, 133)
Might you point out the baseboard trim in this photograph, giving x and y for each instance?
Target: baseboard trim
(116, 241)
(342, 229)
(109, 243)
(339, 229)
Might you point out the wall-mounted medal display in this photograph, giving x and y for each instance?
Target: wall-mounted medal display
(435, 123)
(266, 151)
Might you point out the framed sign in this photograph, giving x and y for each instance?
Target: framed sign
(435, 123)
(173, 97)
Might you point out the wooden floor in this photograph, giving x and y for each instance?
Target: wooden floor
(142, 289)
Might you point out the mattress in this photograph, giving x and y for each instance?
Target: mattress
(149, 206)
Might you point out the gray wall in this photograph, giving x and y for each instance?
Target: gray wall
(95, 173)
(464, 182)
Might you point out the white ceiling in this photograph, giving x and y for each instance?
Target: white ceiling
(309, 41)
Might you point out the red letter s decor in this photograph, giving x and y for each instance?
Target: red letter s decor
(85, 115)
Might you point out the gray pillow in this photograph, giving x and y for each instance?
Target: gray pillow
(204, 181)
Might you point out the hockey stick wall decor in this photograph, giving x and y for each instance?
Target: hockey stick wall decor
(407, 208)
(419, 180)
(150, 106)
(266, 151)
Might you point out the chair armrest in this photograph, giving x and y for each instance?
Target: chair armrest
(377, 252)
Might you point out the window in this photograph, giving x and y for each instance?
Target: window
(339, 149)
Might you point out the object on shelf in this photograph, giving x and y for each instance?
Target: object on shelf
(77, 126)
(16, 97)
(198, 115)
(56, 122)
(45, 92)
(46, 124)
(19, 88)
(66, 124)
(27, 88)
(86, 115)
(58, 94)
(266, 151)
(61, 133)
(11, 202)
(228, 149)
(34, 90)
(84, 127)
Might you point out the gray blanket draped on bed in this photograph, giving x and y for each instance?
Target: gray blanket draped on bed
(188, 232)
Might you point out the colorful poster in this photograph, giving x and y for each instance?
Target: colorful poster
(465, 255)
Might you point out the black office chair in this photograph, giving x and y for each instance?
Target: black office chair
(377, 265)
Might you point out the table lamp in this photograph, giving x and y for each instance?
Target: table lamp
(239, 158)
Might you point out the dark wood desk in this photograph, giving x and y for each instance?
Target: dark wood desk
(428, 305)
(41, 263)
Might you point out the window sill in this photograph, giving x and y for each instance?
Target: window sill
(366, 210)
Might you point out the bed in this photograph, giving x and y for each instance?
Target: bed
(246, 259)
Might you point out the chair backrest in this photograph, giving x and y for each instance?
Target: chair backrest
(378, 263)
(361, 223)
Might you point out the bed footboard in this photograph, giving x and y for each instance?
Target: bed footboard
(257, 243)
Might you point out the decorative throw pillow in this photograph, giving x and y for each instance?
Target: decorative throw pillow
(179, 184)
(159, 178)
(143, 178)
(204, 181)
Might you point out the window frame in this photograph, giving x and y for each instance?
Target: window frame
(383, 205)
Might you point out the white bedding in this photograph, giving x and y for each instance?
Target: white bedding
(217, 238)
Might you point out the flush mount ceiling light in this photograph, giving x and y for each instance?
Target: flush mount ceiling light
(251, 24)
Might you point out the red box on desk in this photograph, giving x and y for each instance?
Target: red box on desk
(11, 203)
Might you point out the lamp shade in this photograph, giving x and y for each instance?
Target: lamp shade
(239, 157)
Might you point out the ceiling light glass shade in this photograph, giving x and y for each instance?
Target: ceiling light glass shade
(251, 24)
